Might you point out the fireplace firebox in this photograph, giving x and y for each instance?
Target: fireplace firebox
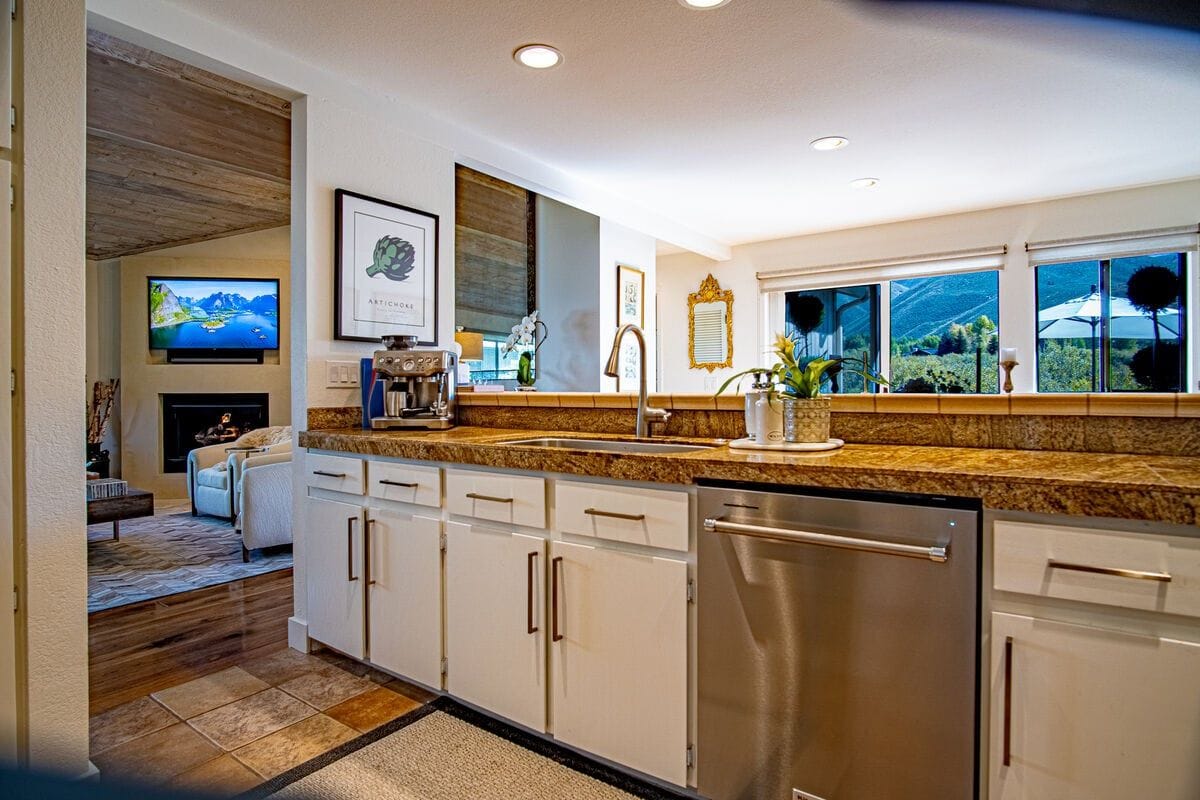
(196, 420)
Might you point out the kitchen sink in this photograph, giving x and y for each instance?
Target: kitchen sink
(612, 445)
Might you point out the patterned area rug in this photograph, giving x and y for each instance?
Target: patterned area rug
(167, 554)
(446, 751)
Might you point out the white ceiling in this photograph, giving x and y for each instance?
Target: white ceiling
(706, 116)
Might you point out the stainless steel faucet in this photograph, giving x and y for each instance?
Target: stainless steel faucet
(645, 414)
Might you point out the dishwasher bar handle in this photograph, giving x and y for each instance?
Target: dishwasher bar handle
(937, 553)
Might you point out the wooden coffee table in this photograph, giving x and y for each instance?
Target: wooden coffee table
(134, 503)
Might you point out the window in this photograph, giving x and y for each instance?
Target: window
(1112, 324)
(495, 366)
(836, 322)
(945, 334)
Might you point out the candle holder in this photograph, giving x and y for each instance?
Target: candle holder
(1008, 368)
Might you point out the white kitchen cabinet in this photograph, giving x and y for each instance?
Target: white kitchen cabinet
(619, 657)
(495, 621)
(1094, 714)
(334, 557)
(404, 594)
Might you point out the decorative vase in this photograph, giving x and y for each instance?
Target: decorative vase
(525, 376)
(806, 420)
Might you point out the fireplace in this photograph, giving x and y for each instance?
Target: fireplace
(195, 420)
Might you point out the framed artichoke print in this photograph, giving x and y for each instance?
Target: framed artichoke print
(385, 270)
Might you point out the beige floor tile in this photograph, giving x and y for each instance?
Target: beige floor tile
(371, 709)
(353, 667)
(411, 691)
(250, 718)
(327, 687)
(222, 777)
(295, 744)
(212, 691)
(282, 666)
(156, 757)
(128, 721)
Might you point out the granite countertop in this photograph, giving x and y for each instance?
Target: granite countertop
(1137, 487)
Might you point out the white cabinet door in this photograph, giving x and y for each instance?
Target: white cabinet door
(1094, 714)
(334, 562)
(495, 621)
(404, 595)
(618, 656)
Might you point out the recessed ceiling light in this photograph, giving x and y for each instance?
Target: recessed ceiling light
(703, 5)
(865, 183)
(538, 56)
(829, 143)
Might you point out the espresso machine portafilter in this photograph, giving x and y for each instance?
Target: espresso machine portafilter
(417, 385)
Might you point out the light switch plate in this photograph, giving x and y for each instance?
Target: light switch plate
(341, 374)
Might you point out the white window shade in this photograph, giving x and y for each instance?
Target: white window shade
(1120, 245)
(860, 272)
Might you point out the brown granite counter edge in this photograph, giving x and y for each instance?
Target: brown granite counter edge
(1160, 503)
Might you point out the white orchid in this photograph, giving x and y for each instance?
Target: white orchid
(524, 334)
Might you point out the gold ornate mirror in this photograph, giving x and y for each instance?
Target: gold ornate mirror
(710, 326)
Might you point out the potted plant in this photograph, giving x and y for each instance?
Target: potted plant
(795, 383)
(524, 336)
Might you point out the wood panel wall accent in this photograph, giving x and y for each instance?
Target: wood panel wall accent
(494, 274)
(176, 154)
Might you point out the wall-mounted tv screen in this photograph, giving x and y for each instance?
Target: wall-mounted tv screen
(214, 313)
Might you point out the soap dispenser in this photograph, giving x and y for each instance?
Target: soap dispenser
(758, 387)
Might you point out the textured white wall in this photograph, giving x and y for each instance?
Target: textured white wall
(1161, 206)
(621, 245)
(52, 363)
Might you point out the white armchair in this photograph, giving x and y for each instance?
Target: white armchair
(264, 497)
(213, 472)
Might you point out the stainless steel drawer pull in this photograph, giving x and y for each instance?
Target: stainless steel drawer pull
(1137, 574)
(489, 498)
(936, 553)
(595, 512)
(329, 474)
(401, 484)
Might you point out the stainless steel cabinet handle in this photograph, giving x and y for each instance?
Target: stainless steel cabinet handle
(488, 497)
(595, 512)
(1137, 574)
(936, 553)
(402, 485)
(329, 474)
(367, 549)
(555, 636)
(1008, 655)
(350, 576)
(529, 566)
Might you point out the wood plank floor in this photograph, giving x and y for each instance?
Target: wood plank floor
(150, 646)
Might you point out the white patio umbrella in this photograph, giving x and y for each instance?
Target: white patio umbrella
(1080, 319)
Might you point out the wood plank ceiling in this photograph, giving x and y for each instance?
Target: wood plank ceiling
(176, 154)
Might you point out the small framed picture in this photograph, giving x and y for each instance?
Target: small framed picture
(631, 308)
(385, 270)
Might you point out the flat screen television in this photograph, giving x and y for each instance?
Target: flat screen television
(213, 313)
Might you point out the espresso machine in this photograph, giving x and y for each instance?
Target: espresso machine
(417, 385)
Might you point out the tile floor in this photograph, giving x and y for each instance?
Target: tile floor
(227, 732)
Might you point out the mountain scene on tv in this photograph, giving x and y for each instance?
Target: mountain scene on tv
(201, 313)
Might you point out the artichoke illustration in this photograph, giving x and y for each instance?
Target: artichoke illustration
(393, 258)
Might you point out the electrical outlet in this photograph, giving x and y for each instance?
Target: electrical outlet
(341, 374)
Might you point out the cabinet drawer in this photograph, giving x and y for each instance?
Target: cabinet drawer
(407, 483)
(514, 499)
(336, 473)
(1132, 570)
(653, 517)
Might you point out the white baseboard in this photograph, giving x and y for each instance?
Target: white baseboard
(92, 773)
(298, 634)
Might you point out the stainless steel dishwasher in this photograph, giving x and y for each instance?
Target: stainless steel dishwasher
(838, 646)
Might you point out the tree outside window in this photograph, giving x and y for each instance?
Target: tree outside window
(843, 321)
